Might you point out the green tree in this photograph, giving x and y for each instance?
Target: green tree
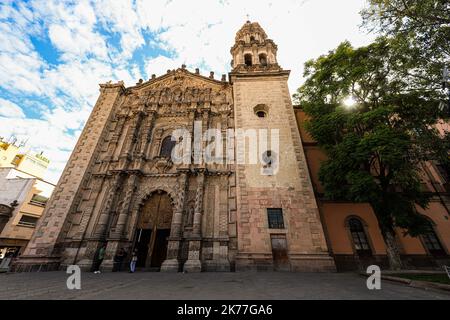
(376, 146)
(420, 27)
(421, 30)
(425, 22)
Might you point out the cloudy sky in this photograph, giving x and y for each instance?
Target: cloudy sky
(53, 54)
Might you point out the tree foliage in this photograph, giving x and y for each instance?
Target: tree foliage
(427, 21)
(421, 27)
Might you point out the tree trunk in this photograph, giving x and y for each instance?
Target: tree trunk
(392, 250)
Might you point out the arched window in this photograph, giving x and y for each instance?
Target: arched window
(431, 241)
(252, 38)
(263, 59)
(359, 237)
(248, 59)
(166, 147)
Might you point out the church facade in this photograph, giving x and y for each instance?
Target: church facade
(122, 189)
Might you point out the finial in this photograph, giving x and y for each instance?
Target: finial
(248, 18)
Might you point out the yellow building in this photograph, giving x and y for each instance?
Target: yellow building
(23, 196)
(8, 152)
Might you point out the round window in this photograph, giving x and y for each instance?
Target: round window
(261, 110)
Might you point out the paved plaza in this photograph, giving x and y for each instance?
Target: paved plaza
(235, 286)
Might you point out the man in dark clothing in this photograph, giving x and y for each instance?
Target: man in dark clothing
(118, 260)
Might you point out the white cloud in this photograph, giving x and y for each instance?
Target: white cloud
(121, 17)
(41, 136)
(9, 109)
(71, 28)
(161, 64)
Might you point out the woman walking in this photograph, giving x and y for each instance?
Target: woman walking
(133, 262)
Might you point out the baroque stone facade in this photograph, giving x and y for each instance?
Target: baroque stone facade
(119, 188)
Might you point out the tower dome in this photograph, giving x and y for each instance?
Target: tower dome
(253, 51)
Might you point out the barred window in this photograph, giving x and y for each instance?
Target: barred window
(28, 221)
(275, 217)
(432, 242)
(359, 237)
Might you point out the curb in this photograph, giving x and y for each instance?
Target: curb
(415, 283)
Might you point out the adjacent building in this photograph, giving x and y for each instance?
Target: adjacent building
(352, 231)
(23, 196)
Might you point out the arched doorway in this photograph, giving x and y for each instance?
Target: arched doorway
(153, 230)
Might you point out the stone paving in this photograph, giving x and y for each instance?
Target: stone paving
(234, 286)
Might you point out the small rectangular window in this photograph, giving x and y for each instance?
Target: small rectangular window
(275, 217)
(39, 200)
(28, 221)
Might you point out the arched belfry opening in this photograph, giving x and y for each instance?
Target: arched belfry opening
(248, 60)
(153, 230)
(263, 59)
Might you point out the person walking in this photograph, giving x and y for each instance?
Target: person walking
(118, 260)
(100, 257)
(133, 261)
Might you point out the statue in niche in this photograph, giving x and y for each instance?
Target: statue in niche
(219, 98)
(153, 96)
(207, 94)
(188, 96)
(201, 95)
(189, 217)
(193, 94)
(165, 96)
(177, 95)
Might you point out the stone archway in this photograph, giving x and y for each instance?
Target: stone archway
(153, 229)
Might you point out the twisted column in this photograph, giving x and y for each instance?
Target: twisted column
(198, 207)
(105, 215)
(171, 263)
(118, 230)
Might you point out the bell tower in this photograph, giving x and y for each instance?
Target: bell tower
(253, 51)
(278, 221)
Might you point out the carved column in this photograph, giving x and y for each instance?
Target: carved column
(100, 229)
(117, 231)
(205, 125)
(117, 237)
(193, 264)
(131, 138)
(147, 136)
(171, 263)
(198, 207)
(121, 118)
(156, 142)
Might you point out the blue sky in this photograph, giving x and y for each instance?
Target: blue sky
(53, 54)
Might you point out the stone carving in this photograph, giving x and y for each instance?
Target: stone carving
(162, 164)
(183, 88)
